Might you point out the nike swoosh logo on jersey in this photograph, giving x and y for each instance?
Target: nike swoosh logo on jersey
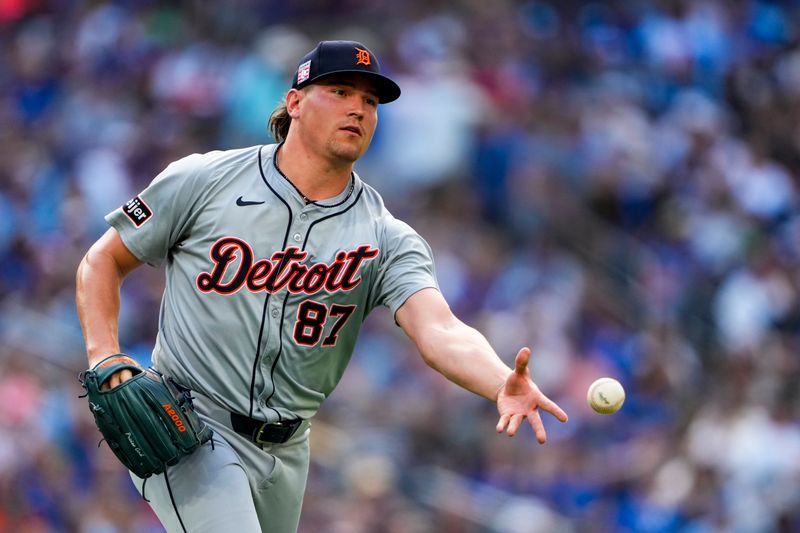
(243, 203)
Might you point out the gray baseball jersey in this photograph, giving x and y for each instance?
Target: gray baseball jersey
(266, 293)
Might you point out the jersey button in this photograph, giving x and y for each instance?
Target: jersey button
(303, 217)
(275, 313)
(297, 237)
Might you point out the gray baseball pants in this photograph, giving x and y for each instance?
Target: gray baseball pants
(234, 485)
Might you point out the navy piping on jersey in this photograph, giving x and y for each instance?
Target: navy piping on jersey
(266, 298)
(172, 499)
(305, 198)
(308, 233)
(286, 298)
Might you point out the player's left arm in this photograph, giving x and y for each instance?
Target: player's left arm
(464, 356)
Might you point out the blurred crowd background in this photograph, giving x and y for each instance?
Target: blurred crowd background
(614, 183)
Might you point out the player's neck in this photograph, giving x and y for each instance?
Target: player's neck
(315, 177)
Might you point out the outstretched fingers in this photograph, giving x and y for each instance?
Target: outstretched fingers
(514, 424)
(502, 423)
(535, 420)
(520, 399)
(510, 424)
(546, 404)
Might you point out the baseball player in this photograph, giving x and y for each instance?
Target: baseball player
(274, 257)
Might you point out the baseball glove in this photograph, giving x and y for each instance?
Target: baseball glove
(148, 421)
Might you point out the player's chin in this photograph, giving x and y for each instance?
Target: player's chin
(349, 151)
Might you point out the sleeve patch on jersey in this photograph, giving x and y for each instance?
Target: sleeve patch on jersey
(138, 211)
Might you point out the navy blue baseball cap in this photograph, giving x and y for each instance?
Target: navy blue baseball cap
(336, 57)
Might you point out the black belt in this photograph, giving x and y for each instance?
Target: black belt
(262, 432)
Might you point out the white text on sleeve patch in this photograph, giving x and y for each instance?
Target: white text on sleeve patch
(138, 211)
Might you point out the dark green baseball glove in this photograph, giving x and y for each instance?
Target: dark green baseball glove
(148, 421)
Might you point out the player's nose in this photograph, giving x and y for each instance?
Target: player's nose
(358, 108)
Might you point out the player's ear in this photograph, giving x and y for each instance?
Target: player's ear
(293, 99)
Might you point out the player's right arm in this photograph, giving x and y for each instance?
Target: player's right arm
(464, 356)
(97, 296)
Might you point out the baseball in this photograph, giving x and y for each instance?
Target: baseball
(605, 396)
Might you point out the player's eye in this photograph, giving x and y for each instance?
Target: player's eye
(339, 92)
(371, 101)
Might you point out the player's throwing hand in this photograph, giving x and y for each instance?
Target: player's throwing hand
(519, 398)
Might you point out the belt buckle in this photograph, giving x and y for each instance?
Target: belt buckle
(278, 432)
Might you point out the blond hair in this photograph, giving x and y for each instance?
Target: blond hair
(279, 122)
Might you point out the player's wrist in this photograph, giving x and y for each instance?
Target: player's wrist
(107, 358)
(96, 353)
(497, 392)
(499, 389)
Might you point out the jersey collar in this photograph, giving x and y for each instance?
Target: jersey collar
(287, 189)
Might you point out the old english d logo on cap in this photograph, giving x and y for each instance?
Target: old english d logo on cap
(341, 57)
(362, 57)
